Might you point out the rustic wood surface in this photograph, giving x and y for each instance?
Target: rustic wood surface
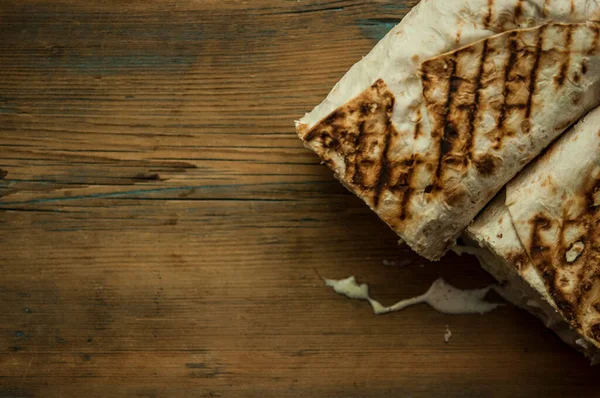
(162, 229)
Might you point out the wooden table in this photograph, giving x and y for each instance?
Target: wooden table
(162, 229)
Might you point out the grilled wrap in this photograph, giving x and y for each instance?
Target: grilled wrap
(451, 104)
(543, 237)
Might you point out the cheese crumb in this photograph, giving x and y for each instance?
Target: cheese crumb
(575, 251)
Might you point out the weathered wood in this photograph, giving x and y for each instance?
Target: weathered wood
(161, 226)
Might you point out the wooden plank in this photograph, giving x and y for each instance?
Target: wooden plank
(162, 228)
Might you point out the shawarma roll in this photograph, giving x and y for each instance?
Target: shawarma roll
(542, 238)
(451, 104)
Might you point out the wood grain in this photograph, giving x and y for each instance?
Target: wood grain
(162, 228)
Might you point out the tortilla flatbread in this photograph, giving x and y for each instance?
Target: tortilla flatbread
(546, 232)
(427, 137)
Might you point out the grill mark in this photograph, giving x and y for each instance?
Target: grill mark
(408, 191)
(458, 34)
(406, 198)
(572, 6)
(418, 127)
(545, 8)
(596, 39)
(586, 281)
(417, 132)
(335, 115)
(534, 71)
(355, 143)
(450, 134)
(563, 304)
(322, 134)
(486, 165)
(311, 135)
(571, 304)
(536, 248)
(518, 10)
(512, 60)
(590, 195)
(384, 173)
(474, 113)
(564, 68)
(444, 142)
(357, 177)
(488, 17)
(539, 255)
(584, 287)
(561, 231)
(517, 259)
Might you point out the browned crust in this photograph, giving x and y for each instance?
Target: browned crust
(360, 143)
(564, 68)
(473, 111)
(534, 71)
(596, 40)
(463, 103)
(550, 258)
(512, 60)
(520, 260)
(545, 8)
(518, 10)
(448, 130)
(356, 131)
(488, 16)
(588, 293)
(418, 128)
(542, 257)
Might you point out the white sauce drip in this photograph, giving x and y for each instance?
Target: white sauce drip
(349, 288)
(447, 335)
(441, 296)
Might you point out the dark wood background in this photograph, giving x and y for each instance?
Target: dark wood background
(162, 228)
